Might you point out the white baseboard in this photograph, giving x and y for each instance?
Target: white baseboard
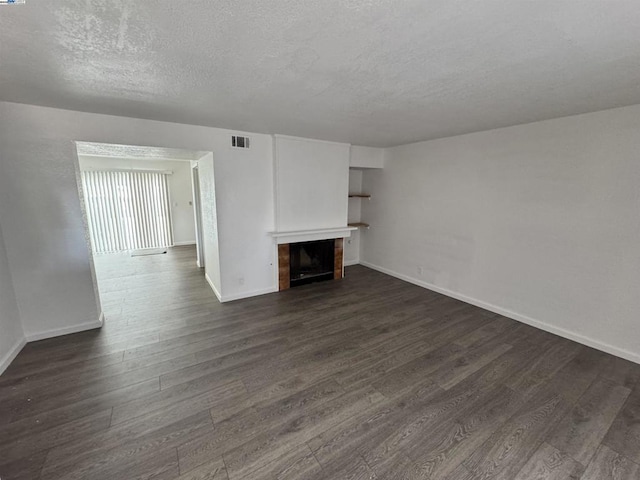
(237, 296)
(6, 360)
(590, 342)
(213, 287)
(56, 332)
(182, 244)
(254, 293)
(351, 262)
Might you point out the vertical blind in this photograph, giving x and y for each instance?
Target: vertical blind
(127, 210)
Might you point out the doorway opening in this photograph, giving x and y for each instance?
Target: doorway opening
(143, 216)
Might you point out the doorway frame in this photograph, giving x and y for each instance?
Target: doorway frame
(197, 213)
(203, 154)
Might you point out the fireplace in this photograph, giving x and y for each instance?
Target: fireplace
(302, 263)
(310, 262)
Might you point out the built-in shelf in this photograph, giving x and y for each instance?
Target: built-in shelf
(359, 195)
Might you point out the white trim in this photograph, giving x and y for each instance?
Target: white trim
(254, 293)
(57, 332)
(213, 287)
(237, 296)
(182, 244)
(314, 234)
(12, 354)
(351, 262)
(147, 170)
(590, 342)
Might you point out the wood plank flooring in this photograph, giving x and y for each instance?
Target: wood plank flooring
(367, 377)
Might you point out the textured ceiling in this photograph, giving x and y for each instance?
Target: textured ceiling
(369, 72)
(91, 149)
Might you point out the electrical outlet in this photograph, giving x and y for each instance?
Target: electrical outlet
(241, 281)
(419, 269)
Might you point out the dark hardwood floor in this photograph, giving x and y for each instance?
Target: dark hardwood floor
(363, 378)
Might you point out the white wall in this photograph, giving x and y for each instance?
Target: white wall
(179, 182)
(11, 335)
(312, 184)
(540, 222)
(40, 209)
(366, 157)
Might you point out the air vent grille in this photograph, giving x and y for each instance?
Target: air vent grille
(240, 142)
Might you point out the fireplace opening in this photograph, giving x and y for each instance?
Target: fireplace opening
(311, 262)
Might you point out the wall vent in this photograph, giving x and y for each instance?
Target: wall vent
(239, 142)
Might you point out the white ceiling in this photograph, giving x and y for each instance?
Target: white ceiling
(369, 72)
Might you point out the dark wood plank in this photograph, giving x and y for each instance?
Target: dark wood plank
(24, 468)
(75, 430)
(621, 371)
(366, 377)
(543, 367)
(508, 449)
(42, 421)
(371, 427)
(252, 455)
(213, 470)
(549, 463)
(183, 393)
(296, 463)
(624, 434)
(456, 370)
(607, 464)
(248, 424)
(438, 450)
(348, 467)
(579, 434)
(497, 326)
(169, 427)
